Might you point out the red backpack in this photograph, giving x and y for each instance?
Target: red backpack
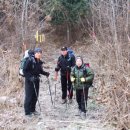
(87, 65)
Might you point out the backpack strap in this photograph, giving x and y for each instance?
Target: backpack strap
(73, 70)
(69, 59)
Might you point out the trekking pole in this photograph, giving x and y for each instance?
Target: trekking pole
(67, 76)
(84, 97)
(74, 96)
(50, 90)
(68, 83)
(55, 95)
(37, 97)
(71, 87)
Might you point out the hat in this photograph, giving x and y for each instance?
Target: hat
(64, 48)
(79, 57)
(37, 50)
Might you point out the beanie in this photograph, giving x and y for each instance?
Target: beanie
(37, 50)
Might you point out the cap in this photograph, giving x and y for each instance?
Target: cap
(37, 50)
(64, 48)
(79, 57)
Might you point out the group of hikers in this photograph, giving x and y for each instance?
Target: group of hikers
(74, 74)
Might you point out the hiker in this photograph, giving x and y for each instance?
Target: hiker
(81, 78)
(64, 64)
(32, 70)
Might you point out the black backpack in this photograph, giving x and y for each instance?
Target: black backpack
(87, 65)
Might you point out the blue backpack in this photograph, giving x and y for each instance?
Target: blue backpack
(71, 53)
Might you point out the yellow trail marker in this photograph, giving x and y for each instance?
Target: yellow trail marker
(36, 36)
(39, 38)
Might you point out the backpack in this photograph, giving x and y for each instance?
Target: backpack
(71, 53)
(28, 54)
(87, 65)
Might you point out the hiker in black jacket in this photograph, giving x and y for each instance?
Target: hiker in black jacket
(32, 70)
(64, 64)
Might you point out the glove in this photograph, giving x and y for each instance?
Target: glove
(72, 79)
(32, 79)
(47, 74)
(82, 79)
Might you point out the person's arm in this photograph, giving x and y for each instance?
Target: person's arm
(42, 71)
(90, 75)
(58, 67)
(72, 75)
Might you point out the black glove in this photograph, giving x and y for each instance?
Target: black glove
(47, 74)
(32, 79)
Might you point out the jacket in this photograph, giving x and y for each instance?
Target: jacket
(33, 67)
(78, 73)
(64, 64)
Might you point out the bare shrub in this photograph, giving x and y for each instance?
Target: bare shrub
(110, 32)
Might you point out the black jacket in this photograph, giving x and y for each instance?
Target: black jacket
(33, 67)
(64, 64)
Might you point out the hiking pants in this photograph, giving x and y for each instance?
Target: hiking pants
(80, 98)
(66, 85)
(30, 96)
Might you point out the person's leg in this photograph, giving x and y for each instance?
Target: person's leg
(70, 88)
(78, 98)
(28, 96)
(86, 90)
(35, 96)
(64, 87)
(84, 98)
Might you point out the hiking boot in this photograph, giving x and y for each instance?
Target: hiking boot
(28, 115)
(63, 101)
(83, 115)
(35, 113)
(78, 113)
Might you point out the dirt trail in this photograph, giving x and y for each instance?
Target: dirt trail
(56, 117)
